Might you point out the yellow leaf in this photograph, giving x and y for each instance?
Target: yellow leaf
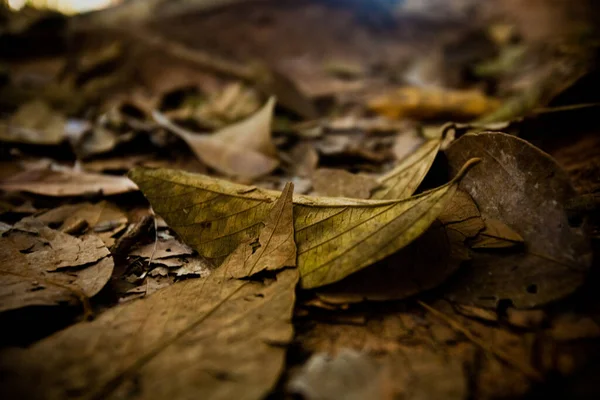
(402, 181)
(335, 236)
(274, 247)
(413, 102)
(243, 149)
(416, 267)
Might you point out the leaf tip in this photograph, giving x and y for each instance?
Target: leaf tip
(466, 168)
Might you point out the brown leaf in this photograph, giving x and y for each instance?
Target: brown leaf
(496, 235)
(34, 123)
(525, 188)
(224, 338)
(66, 182)
(162, 249)
(332, 182)
(304, 159)
(243, 149)
(103, 218)
(41, 266)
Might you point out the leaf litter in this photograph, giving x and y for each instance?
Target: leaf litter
(209, 333)
(92, 110)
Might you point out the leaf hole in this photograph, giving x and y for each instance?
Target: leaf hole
(533, 289)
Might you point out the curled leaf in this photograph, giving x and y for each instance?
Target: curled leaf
(424, 264)
(527, 190)
(243, 149)
(335, 236)
(403, 180)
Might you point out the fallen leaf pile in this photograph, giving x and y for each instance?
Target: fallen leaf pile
(353, 202)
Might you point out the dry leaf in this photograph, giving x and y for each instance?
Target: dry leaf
(413, 102)
(406, 143)
(496, 235)
(349, 375)
(41, 266)
(304, 159)
(424, 264)
(520, 185)
(274, 243)
(212, 338)
(243, 149)
(340, 183)
(103, 218)
(335, 237)
(34, 123)
(162, 249)
(402, 181)
(67, 182)
(194, 266)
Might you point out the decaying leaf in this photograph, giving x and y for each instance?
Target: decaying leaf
(424, 264)
(496, 235)
(103, 218)
(34, 123)
(524, 188)
(335, 237)
(402, 181)
(340, 183)
(432, 103)
(347, 375)
(162, 249)
(212, 338)
(243, 149)
(67, 182)
(41, 266)
(276, 242)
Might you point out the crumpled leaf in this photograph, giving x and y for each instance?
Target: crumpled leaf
(348, 375)
(243, 149)
(41, 267)
(34, 123)
(335, 236)
(422, 265)
(403, 180)
(66, 182)
(520, 185)
(212, 338)
(496, 235)
(340, 183)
